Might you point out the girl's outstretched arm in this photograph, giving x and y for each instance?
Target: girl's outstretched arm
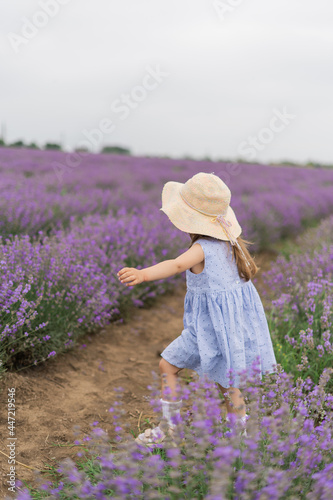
(132, 276)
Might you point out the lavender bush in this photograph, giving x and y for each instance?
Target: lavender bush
(53, 289)
(301, 312)
(287, 453)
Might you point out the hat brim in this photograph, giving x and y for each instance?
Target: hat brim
(191, 221)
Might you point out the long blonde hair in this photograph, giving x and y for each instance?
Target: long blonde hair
(244, 271)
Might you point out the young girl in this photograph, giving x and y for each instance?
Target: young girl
(224, 321)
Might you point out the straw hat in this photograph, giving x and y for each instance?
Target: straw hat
(201, 206)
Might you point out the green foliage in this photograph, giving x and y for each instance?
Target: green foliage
(116, 150)
(299, 298)
(17, 144)
(52, 145)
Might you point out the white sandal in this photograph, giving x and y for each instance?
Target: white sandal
(153, 436)
(241, 422)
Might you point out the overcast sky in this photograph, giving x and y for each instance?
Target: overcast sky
(225, 79)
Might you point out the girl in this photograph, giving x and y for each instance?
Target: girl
(224, 321)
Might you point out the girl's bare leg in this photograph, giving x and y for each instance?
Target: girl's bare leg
(169, 375)
(237, 400)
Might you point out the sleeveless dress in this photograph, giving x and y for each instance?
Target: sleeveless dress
(225, 326)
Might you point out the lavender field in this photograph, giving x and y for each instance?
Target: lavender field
(66, 226)
(271, 202)
(65, 234)
(288, 450)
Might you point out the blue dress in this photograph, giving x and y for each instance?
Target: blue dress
(225, 326)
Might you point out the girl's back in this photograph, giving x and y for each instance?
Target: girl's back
(220, 271)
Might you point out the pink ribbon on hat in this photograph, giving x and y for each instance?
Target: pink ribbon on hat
(225, 224)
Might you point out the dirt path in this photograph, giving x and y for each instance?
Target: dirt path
(78, 387)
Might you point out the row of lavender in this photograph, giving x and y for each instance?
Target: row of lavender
(287, 453)
(42, 190)
(300, 309)
(55, 288)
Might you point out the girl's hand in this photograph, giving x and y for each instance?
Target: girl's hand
(130, 276)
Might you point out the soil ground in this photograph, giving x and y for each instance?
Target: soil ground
(77, 387)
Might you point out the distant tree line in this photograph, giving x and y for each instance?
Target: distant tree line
(31, 145)
(18, 144)
(119, 150)
(57, 147)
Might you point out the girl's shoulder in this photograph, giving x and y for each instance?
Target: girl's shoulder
(204, 240)
(211, 240)
(209, 244)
